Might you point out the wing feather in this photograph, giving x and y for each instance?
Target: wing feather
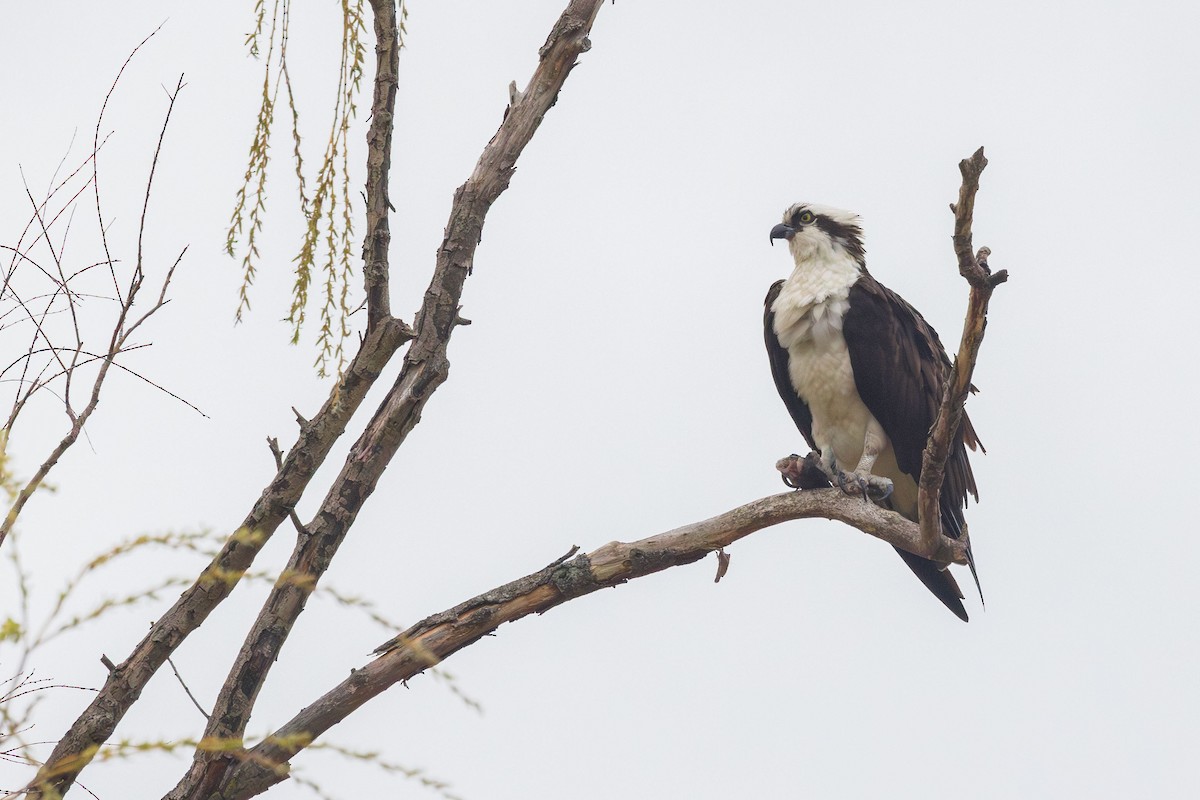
(900, 367)
(799, 410)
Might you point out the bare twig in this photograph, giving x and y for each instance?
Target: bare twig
(191, 696)
(90, 358)
(61, 283)
(162, 133)
(61, 287)
(69, 204)
(120, 334)
(438, 637)
(948, 423)
(96, 166)
(273, 443)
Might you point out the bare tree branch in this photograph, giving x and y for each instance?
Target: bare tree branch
(69, 204)
(948, 423)
(91, 357)
(96, 164)
(425, 368)
(436, 638)
(273, 444)
(222, 768)
(120, 333)
(162, 133)
(124, 685)
(186, 690)
(376, 264)
(62, 284)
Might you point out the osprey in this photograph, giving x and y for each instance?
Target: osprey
(861, 372)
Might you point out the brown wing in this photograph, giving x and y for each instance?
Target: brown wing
(899, 369)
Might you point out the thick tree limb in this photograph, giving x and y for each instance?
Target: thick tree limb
(376, 265)
(947, 425)
(124, 684)
(438, 637)
(244, 773)
(425, 368)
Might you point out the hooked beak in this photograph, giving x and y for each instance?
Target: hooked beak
(782, 231)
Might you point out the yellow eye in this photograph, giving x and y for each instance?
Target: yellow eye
(806, 218)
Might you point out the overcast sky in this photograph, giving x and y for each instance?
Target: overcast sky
(615, 385)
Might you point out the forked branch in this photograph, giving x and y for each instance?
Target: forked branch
(425, 368)
(434, 639)
(123, 327)
(123, 685)
(245, 773)
(438, 637)
(972, 266)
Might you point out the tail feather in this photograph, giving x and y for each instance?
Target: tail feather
(937, 580)
(954, 526)
(974, 574)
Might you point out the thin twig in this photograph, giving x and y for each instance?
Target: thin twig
(95, 161)
(273, 443)
(162, 133)
(68, 204)
(120, 333)
(191, 696)
(92, 357)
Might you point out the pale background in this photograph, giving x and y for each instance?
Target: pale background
(614, 385)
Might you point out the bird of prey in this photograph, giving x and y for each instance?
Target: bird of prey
(861, 372)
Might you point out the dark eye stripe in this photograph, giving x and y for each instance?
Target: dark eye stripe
(802, 217)
(848, 233)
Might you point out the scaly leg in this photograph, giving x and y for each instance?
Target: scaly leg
(861, 479)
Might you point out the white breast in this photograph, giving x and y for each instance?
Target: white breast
(808, 322)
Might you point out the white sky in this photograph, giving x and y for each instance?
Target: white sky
(613, 385)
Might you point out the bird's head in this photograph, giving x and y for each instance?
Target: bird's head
(814, 231)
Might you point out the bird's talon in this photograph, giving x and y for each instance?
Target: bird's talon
(872, 487)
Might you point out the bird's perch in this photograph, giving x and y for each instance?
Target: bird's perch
(973, 266)
(438, 637)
